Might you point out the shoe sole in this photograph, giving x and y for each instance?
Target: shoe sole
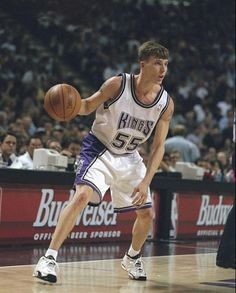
(49, 278)
(132, 276)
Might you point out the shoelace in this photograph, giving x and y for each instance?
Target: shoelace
(138, 265)
(52, 264)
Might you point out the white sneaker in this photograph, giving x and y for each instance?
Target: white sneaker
(134, 267)
(46, 269)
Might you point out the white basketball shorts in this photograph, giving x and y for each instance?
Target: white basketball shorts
(101, 169)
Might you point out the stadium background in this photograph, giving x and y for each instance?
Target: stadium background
(84, 42)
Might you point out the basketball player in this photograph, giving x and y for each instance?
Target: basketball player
(128, 108)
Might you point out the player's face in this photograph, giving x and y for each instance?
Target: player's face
(155, 69)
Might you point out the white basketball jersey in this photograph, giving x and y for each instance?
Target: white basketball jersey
(123, 122)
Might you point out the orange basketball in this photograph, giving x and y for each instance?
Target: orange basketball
(62, 102)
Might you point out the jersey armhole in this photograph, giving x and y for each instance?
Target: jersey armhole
(165, 108)
(109, 102)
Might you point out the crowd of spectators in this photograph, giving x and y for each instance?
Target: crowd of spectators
(41, 45)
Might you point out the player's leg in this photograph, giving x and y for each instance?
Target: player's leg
(69, 215)
(92, 181)
(46, 269)
(132, 261)
(130, 170)
(141, 227)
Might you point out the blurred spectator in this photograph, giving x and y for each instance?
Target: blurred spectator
(111, 69)
(168, 163)
(71, 146)
(8, 142)
(224, 160)
(226, 120)
(189, 151)
(196, 136)
(40, 131)
(54, 144)
(77, 130)
(227, 132)
(201, 89)
(3, 121)
(190, 121)
(213, 138)
(205, 164)
(211, 154)
(225, 105)
(175, 157)
(230, 176)
(28, 124)
(25, 161)
(178, 117)
(216, 171)
(71, 149)
(22, 140)
(58, 133)
(200, 113)
(165, 163)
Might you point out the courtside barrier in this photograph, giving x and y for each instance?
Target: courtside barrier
(31, 201)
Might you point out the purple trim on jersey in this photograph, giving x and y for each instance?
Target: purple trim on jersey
(91, 149)
(165, 108)
(132, 208)
(158, 97)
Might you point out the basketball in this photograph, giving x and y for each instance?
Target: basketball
(62, 102)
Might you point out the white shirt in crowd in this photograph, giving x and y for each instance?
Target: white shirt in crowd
(23, 162)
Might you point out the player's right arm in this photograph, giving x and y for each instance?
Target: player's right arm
(108, 90)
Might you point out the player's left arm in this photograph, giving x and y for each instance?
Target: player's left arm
(158, 145)
(155, 158)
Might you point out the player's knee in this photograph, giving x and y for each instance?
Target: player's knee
(81, 199)
(146, 215)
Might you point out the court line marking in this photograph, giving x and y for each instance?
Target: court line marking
(113, 259)
(199, 247)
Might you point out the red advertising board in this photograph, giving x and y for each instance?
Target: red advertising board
(28, 214)
(197, 215)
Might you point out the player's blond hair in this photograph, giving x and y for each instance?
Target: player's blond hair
(152, 49)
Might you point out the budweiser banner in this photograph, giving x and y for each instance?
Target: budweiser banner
(197, 215)
(29, 214)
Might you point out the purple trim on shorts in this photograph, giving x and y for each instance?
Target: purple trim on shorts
(91, 150)
(94, 187)
(131, 208)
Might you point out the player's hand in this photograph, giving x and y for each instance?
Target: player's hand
(140, 194)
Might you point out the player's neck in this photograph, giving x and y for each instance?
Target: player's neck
(145, 90)
(144, 86)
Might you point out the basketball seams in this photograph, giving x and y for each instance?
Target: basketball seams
(74, 100)
(70, 93)
(73, 93)
(51, 103)
(63, 101)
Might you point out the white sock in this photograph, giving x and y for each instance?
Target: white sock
(133, 252)
(52, 252)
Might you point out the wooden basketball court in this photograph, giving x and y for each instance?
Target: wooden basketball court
(173, 273)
